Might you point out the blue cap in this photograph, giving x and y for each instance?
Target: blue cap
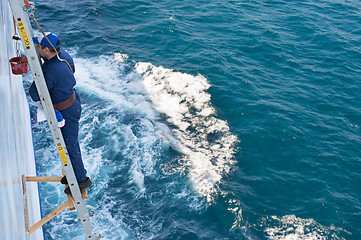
(43, 41)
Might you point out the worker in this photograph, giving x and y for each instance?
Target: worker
(60, 81)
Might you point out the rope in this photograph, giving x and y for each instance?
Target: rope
(14, 26)
(15, 37)
(42, 31)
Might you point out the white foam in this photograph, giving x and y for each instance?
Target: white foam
(290, 227)
(120, 57)
(104, 78)
(234, 206)
(184, 100)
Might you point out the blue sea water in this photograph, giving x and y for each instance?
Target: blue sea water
(212, 119)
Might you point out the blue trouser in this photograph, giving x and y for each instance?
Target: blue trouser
(70, 133)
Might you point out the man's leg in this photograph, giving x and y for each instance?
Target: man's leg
(70, 133)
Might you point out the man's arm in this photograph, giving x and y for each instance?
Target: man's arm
(34, 92)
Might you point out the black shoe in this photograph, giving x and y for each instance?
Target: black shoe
(65, 181)
(82, 185)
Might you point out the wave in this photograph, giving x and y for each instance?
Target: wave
(205, 141)
(292, 227)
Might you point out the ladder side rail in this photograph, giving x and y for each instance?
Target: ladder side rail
(23, 23)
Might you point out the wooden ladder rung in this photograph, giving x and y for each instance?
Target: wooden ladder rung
(48, 217)
(43, 179)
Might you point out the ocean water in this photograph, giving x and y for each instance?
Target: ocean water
(212, 119)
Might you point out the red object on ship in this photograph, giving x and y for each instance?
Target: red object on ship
(19, 65)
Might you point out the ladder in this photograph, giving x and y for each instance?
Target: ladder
(19, 9)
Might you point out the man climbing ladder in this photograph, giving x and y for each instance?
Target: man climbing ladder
(70, 108)
(60, 81)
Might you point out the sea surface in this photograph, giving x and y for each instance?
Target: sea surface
(211, 119)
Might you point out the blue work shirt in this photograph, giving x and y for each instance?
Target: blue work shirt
(58, 77)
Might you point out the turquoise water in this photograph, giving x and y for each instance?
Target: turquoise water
(212, 119)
